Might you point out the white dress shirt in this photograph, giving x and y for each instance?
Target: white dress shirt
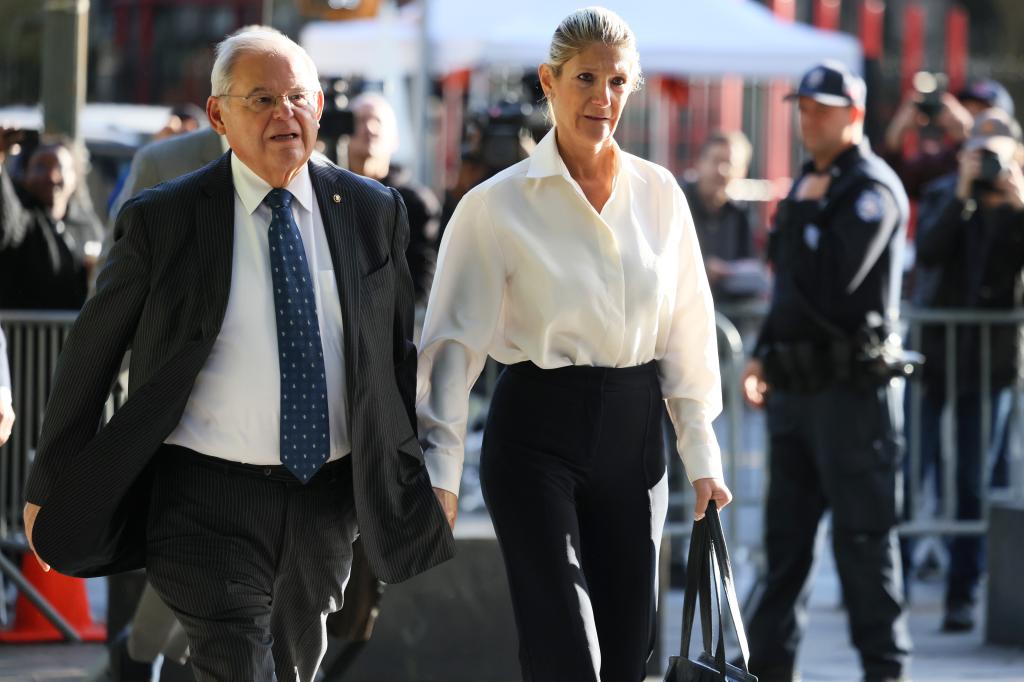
(234, 411)
(529, 270)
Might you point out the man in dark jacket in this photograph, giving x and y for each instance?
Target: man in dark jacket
(370, 147)
(970, 247)
(723, 225)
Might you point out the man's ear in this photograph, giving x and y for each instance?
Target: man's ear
(319, 105)
(214, 114)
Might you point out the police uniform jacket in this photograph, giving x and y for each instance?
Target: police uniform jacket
(839, 258)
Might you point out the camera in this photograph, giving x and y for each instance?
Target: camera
(930, 86)
(504, 134)
(992, 167)
(335, 123)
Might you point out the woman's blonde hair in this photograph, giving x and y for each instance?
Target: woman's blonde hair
(589, 26)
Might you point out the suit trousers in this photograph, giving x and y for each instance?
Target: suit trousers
(835, 449)
(573, 473)
(251, 561)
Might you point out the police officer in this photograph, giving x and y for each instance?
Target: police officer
(836, 250)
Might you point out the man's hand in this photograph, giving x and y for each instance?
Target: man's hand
(970, 168)
(813, 186)
(30, 514)
(755, 389)
(954, 118)
(708, 489)
(8, 138)
(449, 505)
(1010, 184)
(6, 417)
(902, 122)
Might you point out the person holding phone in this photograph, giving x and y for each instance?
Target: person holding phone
(49, 236)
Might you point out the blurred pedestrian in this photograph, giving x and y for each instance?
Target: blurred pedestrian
(166, 159)
(723, 224)
(273, 375)
(833, 441)
(970, 246)
(185, 119)
(370, 149)
(579, 268)
(49, 237)
(6, 398)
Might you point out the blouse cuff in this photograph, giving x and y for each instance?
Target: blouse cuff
(5, 395)
(445, 469)
(695, 439)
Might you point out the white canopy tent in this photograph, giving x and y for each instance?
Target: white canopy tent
(704, 38)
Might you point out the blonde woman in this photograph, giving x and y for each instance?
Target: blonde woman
(579, 269)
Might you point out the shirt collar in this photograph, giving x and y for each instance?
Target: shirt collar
(252, 189)
(844, 161)
(545, 161)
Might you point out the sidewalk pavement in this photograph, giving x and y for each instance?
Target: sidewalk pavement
(826, 655)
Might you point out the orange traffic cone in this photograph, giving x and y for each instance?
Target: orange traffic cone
(67, 595)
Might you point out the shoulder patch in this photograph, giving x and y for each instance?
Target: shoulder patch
(870, 206)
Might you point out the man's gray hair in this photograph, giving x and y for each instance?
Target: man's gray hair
(255, 39)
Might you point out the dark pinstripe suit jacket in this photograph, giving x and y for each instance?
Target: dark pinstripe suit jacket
(163, 293)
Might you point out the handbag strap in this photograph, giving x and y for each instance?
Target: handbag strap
(716, 539)
(697, 565)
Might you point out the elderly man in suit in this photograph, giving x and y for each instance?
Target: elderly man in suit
(6, 400)
(268, 306)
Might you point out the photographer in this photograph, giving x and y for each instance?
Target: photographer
(970, 246)
(942, 123)
(49, 236)
(495, 139)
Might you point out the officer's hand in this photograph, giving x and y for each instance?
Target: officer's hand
(755, 389)
(449, 505)
(708, 489)
(29, 516)
(6, 417)
(813, 186)
(970, 169)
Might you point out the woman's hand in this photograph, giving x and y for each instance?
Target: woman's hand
(708, 489)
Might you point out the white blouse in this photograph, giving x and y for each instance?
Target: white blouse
(528, 270)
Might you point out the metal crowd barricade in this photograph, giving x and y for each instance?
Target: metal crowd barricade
(34, 341)
(949, 321)
(737, 324)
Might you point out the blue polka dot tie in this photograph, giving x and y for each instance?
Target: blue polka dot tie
(305, 431)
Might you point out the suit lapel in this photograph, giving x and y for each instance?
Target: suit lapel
(340, 225)
(215, 228)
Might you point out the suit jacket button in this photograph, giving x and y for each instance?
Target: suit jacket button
(337, 198)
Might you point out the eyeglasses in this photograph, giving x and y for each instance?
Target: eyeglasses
(262, 103)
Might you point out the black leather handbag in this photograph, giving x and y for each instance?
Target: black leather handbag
(709, 570)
